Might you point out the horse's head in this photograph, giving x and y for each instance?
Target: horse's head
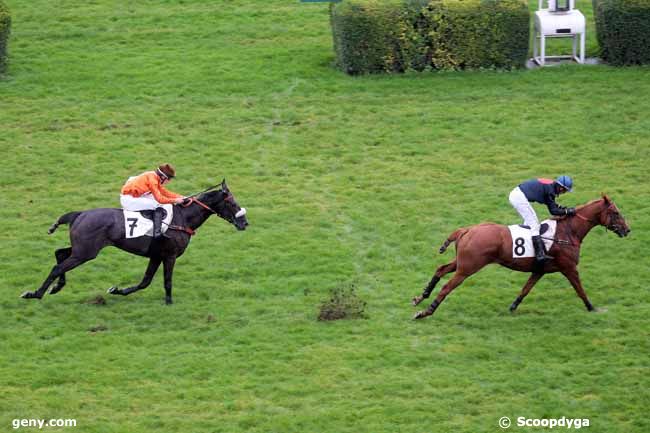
(223, 203)
(612, 219)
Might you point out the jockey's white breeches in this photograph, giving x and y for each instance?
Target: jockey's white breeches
(144, 202)
(519, 201)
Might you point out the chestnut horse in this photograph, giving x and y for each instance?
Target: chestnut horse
(482, 244)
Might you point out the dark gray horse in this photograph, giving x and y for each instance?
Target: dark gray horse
(94, 229)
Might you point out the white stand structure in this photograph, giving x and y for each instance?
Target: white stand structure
(558, 21)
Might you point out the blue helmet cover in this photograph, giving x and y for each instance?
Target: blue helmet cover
(566, 182)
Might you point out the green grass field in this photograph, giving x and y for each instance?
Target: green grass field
(348, 181)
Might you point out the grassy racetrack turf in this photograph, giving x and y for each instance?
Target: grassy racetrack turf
(347, 181)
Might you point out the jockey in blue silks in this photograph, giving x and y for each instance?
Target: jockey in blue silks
(541, 191)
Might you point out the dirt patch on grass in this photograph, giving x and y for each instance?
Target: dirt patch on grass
(96, 300)
(343, 303)
(98, 328)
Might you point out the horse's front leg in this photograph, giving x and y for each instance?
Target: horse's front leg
(534, 278)
(168, 266)
(154, 263)
(574, 279)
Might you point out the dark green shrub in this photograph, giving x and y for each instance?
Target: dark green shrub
(623, 28)
(5, 27)
(364, 34)
(374, 36)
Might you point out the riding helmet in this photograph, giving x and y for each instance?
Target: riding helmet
(167, 170)
(566, 182)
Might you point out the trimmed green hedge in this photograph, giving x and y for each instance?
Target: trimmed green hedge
(363, 34)
(623, 28)
(398, 35)
(5, 26)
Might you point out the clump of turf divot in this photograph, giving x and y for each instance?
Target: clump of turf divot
(98, 328)
(96, 300)
(343, 303)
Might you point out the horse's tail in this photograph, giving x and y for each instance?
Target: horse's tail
(63, 219)
(459, 233)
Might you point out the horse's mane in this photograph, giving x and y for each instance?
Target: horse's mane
(603, 198)
(209, 195)
(589, 203)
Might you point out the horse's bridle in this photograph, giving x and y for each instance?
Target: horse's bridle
(193, 199)
(608, 224)
(188, 230)
(228, 199)
(204, 206)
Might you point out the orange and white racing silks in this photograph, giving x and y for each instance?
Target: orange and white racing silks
(146, 191)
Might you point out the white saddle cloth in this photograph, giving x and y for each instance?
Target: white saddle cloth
(522, 241)
(135, 225)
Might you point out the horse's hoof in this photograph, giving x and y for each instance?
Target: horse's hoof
(513, 308)
(422, 314)
(30, 295)
(417, 300)
(113, 291)
(168, 301)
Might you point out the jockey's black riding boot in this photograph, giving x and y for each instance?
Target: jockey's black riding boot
(540, 254)
(157, 222)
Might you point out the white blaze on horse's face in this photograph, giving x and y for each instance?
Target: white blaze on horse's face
(241, 213)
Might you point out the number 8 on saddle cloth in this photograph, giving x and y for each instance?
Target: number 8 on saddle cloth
(522, 243)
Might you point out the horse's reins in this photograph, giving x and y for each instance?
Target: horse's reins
(565, 242)
(200, 203)
(586, 219)
(205, 190)
(192, 199)
(609, 225)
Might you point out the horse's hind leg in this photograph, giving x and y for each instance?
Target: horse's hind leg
(154, 263)
(455, 281)
(440, 272)
(60, 255)
(534, 278)
(58, 270)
